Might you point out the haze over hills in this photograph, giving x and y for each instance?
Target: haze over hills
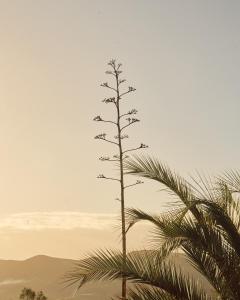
(45, 273)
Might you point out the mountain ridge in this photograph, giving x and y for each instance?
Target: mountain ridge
(46, 273)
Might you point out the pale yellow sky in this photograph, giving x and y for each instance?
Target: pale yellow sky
(64, 234)
(183, 58)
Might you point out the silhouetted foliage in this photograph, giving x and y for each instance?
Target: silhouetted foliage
(29, 294)
(204, 224)
(41, 296)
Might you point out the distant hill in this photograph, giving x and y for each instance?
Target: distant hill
(45, 273)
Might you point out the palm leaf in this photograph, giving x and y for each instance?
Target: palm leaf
(140, 268)
(151, 168)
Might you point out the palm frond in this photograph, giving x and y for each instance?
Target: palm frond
(142, 292)
(151, 168)
(207, 266)
(232, 179)
(206, 227)
(203, 186)
(140, 268)
(220, 215)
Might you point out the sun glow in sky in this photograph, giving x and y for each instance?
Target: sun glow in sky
(182, 57)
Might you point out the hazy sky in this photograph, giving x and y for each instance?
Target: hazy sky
(182, 57)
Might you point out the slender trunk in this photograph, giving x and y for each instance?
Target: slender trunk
(121, 121)
(124, 242)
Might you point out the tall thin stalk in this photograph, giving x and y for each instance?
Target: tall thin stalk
(121, 122)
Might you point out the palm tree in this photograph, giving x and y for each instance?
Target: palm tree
(205, 226)
(27, 294)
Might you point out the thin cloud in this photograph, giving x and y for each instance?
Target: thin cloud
(57, 220)
(11, 282)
